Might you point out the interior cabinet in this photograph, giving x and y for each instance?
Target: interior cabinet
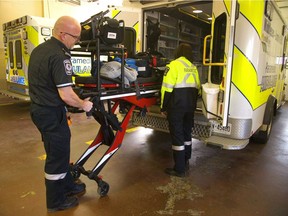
(175, 32)
(188, 33)
(169, 38)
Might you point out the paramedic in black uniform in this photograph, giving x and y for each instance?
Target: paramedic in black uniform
(50, 89)
(179, 92)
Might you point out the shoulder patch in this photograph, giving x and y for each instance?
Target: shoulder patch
(166, 70)
(66, 52)
(68, 67)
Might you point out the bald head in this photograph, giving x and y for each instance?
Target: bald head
(67, 26)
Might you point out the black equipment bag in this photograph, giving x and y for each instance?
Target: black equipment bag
(150, 63)
(143, 63)
(111, 30)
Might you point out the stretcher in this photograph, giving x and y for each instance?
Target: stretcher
(109, 95)
(106, 98)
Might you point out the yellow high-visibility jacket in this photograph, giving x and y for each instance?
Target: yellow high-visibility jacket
(180, 86)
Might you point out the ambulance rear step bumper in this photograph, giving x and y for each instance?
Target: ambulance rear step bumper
(201, 130)
(156, 121)
(226, 143)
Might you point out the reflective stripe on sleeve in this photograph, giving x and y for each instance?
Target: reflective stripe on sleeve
(187, 143)
(178, 148)
(169, 86)
(64, 85)
(55, 177)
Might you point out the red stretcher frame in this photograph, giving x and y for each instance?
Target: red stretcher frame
(145, 97)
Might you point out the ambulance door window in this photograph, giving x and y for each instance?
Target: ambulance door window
(11, 54)
(18, 53)
(130, 41)
(218, 48)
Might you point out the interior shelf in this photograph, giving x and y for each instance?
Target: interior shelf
(175, 32)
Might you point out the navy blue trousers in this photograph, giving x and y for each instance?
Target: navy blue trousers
(56, 135)
(180, 127)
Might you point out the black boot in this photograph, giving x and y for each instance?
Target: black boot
(54, 193)
(56, 198)
(179, 167)
(74, 187)
(187, 165)
(188, 153)
(69, 202)
(179, 160)
(172, 172)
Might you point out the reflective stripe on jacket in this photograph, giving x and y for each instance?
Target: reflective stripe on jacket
(180, 86)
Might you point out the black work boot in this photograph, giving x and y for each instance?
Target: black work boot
(172, 172)
(55, 197)
(74, 187)
(187, 165)
(179, 167)
(69, 202)
(179, 160)
(78, 189)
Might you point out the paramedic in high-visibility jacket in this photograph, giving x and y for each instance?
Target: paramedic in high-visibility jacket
(179, 93)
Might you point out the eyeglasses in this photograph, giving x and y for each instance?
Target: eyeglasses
(77, 38)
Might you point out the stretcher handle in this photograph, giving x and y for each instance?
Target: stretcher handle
(96, 16)
(89, 114)
(94, 100)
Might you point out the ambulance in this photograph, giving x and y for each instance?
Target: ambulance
(242, 67)
(20, 37)
(239, 47)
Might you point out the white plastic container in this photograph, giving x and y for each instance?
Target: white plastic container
(209, 98)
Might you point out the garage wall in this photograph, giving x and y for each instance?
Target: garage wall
(54, 9)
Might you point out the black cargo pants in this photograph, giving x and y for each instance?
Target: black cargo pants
(180, 127)
(55, 132)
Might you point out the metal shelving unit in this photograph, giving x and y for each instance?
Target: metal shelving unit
(174, 32)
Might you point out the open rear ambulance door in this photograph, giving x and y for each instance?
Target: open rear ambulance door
(221, 55)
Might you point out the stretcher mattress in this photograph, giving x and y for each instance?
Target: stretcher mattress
(113, 88)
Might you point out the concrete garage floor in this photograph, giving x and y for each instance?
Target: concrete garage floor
(248, 182)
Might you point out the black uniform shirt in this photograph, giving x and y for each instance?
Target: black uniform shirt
(49, 68)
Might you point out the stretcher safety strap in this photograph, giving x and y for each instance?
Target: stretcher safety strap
(55, 177)
(178, 148)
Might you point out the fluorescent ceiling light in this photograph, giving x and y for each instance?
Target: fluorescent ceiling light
(197, 11)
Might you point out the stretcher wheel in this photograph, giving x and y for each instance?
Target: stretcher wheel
(103, 188)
